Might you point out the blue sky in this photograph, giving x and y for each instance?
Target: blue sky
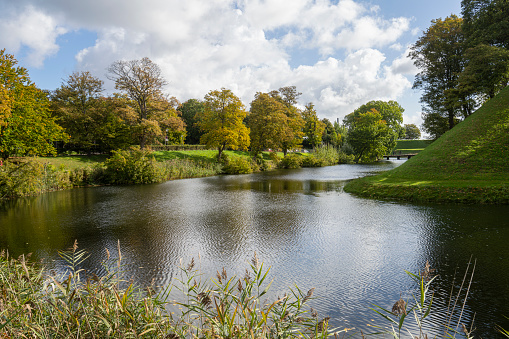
(340, 54)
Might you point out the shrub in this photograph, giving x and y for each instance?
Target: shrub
(133, 166)
(327, 155)
(291, 161)
(187, 168)
(274, 157)
(312, 161)
(26, 177)
(236, 165)
(345, 158)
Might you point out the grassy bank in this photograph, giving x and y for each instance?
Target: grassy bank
(30, 176)
(410, 146)
(468, 164)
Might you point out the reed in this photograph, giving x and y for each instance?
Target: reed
(420, 308)
(72, 304)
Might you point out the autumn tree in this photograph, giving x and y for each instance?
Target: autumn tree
(143, 82)
(291, 132)
(222, 122)
(191, 110)
(412, 132)
(313, 127)
(369, 136)
(26, 124)
(267, 120)
(438, 54)
(78, 108)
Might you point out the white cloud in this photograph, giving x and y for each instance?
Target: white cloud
(33, 29)
(239, 44)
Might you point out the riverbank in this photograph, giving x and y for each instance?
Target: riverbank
(468, 164)
(31, 176)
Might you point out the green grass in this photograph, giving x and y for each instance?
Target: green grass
(410, 146)
(468, 164)
(73, 161)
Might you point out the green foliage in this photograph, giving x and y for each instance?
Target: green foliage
(322, 156)
(267, 120)
(289, 125)
(330, 137)
(93, 122)
(390, 111)
(30, 177)
(313, 127)
(486, 22)
(133, 166)
(236, 165)
(155, 115)
(26, 124)
(438, 54)
(486, 71)
(468, 164)
(291, 161)
(412, 132)
(370, 137)
(191, 111)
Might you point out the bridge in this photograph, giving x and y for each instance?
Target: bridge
(399, 156)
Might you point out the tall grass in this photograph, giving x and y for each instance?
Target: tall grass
(37, 304)
(410, 317)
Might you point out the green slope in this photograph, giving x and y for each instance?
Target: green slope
(469, 164)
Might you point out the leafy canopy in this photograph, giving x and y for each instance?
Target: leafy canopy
(222, 121)
(370, 137)
(26, 124)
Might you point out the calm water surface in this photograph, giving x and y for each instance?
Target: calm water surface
(300, 222)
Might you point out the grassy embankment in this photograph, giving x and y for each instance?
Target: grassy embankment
(468, 164)
(410, 146)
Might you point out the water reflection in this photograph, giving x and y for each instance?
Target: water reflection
(300, 222)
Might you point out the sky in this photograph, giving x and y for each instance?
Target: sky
(339, 54)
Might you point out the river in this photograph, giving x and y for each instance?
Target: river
(354, 251)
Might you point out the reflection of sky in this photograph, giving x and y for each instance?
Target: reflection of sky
(300, 223)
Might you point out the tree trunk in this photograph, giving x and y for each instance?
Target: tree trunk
(143, 140)
(219, 153)
(451, 119)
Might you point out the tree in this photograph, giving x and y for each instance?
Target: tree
(412, 132)
(266, 121)
(486, 22)
(486, 71)
(291, 132)
(142, 81)
(341, 131)
(222, 122)
(370, 136)
(439, 56)
(77, 105)
(313, 127)
(191, 110)
(330, 136)
(26, 124)
(391, 112)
